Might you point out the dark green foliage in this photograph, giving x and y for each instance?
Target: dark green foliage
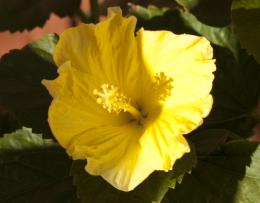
(18, 15)
(33, 169)
(211, 12)
(236, 90)
(230, 175)
(223, 36)
(208, 141)
(169, 19)
(21, 91)
(246, 18)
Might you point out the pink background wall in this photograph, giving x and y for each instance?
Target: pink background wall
(17, 40)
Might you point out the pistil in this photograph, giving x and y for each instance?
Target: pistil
(114, 102)
(134, 112)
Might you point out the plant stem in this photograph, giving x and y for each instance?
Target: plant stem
(82, 16)
(94, 11)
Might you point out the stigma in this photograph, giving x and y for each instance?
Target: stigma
(114, 101)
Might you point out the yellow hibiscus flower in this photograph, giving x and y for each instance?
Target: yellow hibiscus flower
(123, 101)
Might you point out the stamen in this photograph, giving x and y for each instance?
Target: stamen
(162, 86)
(114, 102)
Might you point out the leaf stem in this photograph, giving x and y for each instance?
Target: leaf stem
(83, 16)
(94, 7)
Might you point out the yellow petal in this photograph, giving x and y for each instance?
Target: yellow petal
(115, 154)
(74, 109)
(163, 144)
(188, 117)
(106, 51)
(185, 58)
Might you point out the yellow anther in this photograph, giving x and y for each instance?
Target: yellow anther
(113, 101)
(162, 86)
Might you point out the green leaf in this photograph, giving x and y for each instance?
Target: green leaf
(186, 163)
(211, 12)
(16, 15)
(147, 13)
(246, 18)
(8, 122)
(236, 91)
(44, 47)
(245, 4)
(170, 20)
(21, 91)
(223, 37)
(229, 175)
(33, 169)
(23, 139)
(152, 189)
(249, 187)
(210, 140)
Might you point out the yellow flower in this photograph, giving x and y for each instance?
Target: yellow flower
(123, 101)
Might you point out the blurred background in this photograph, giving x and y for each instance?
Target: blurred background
(56, 24)
(18, 39)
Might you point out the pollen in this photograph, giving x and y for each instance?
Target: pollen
(115, 102)
(162, 86)
(110, 98)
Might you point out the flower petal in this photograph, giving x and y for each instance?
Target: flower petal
(107, 51)
(115, 154)
(185, 58)
(164, 137)
(74, 109)
(188, 117)
(163, 143)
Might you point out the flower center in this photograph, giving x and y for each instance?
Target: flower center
(114, 101)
